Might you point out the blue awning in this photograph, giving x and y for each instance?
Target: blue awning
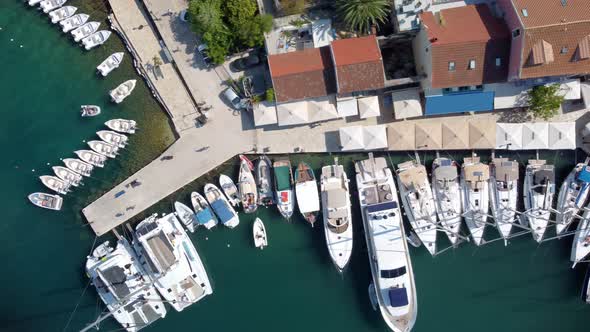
(398, 297)
(584, 174)
(222, 210)
(204, 216)
(460, 102)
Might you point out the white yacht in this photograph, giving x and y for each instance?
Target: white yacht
(203, 213)
(539, 189)
(572, 196)
(393, 287)
(122, 126)
(171, 260)
(91, 157)
(56, 184)
(96, 39)
(220, 205)
(337, 214)
(67, 175)
(186, 216)
(46, 201)
(475, 177)
(49, 5)
(418, 201)
(122, 91)
(78, 166)
(111, 63)
(230, 190)
(61, 14)
(73, 22)
(581, 243)
(504, 194)
(103, 148)
(446, 189)
(247, 186)
(113, 138)
(85, 30)
(123, 286)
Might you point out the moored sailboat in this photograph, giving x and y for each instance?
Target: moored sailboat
(539, 189)
(306, 190)
(581, 243)
(504, 194)
(572, 196)
(247, 186)
(475, 177)
(447, 195)
(284, 187)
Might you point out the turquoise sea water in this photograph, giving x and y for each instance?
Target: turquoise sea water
(290, 286)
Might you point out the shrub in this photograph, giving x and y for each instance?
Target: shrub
(545, 101)
(270, 94)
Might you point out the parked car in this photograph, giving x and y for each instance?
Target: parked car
(202, 50)
(242, 64)
(232, 97)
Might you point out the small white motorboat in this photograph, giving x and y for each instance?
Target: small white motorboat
(504, 194)
(61, 14)
(110, 63)
(85, 30)
(73, 22)
(46, 201)
(122, 125)
(104, 148)
(203, 213)
(259, 233)
(34, 2)
(56, 184)
(264, 181)
(186, 216)
(113, 138)
(227, 215)
(229, 189)
(122, 91)
(247, 186)
(89, 110)
(539, 189)
(67, 175)
(49, 5)
(78, 166)
(91, 157)
(96, 39)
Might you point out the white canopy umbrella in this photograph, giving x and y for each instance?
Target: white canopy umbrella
(401, 136)
(322, 109)
(292, 113)
(509, 136)
(351, 138)
(369, 107)
(406, 103)
(562, 135)
(265, 113)
(375, 137)
(347, 107)
(535, 136)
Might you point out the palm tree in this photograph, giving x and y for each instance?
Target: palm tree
(360, 15)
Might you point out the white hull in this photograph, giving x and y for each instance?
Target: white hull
(46, 201)
(91, 157)
(186, 216)
(572, 197)
(78, 166)
(229, 189)
(49, 5)
(113, 138)
(220, 205)
(122, 91)
(111, 63)
(73, 22)
(104, 148)
(56, 184)
(67, 175)
(581, 243)
(62, 13)
(85, 30)
(247, 188)
(538, 202)
(476, 201)
(259, 234)
(200, 205)
(504, 195)
(446, 190)
(96, 39)
(122, 126)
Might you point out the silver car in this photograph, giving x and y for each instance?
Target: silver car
(232, 97)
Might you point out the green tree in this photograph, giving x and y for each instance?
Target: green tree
(360, 15)
(252, 32)
(206, 15)
(157, 61)
(239, 12)
(545, 100)
(292, 7)
(218, 44)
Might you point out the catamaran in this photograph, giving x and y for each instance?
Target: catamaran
(111, 63)
(113, 138)
(227, 215)
(393, 287)
(123, 286)
(447, 195)
(123, 91)
(264, 181)
(203, 213)
(572, 195)
(539, 189)
(103, 148)
(475, 177)
(56, 184)
(581, 243)
(62, 13)
(418, 201)
(337, 214)
(306, 190)
(284, 187)
(229, 189)
(259, 234)
(46, 201)
(186, 216)
(73, 22)
(247, 186)
(122, 125)
(504, 194)
(91, 157)
(85, 30)
(78, 166)
(171, 260)
(67, 175)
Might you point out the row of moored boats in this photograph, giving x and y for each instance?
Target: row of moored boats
(76, 168)
(81, 30)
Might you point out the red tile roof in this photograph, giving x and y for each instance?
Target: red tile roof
(463, 34)
(302, 74)
(359, 64)
(541, 13)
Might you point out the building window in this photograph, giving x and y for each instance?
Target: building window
(564, 50)
(463, 88)
(479, 87)
(471, 64)
(498, 62)
(447, 90)
(515, 33)
(525, 12)
(451, 65)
